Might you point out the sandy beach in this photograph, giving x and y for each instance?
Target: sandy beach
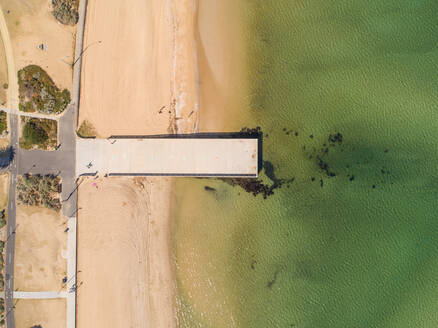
(123, 255)
(126, 69)
(123, 223)
(221, 55)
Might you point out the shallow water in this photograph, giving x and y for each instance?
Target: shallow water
(358, 249)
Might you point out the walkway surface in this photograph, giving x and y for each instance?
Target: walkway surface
(39, 295)
(35, 115)
(221, 157)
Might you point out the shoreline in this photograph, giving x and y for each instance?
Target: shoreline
(187, 65)
(222, 106)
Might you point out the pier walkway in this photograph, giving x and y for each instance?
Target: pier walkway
(169, 156)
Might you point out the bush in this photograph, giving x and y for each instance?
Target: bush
(3, 122)
(86, 130)
(37, 190)
(34, 133)
(66, 11)
(41, 133)
(2, 220)
(38, 92)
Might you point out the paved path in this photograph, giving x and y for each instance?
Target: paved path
(13, 127)
(36, 115)
(39, 295)
(199, 156)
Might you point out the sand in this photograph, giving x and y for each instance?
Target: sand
(3, 75)
(185, 85)
(140, 76)
(47, 313)
(31, 24)
(123, 254)
(40, 247)
(221, 45)
(126, 78)
(4, 189)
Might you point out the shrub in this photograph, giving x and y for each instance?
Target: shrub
(36, 190)
(66, 11)
(41, 133)
(34, 133)
(3, 122)
(86, 130)
(2, 220)
(38, 92)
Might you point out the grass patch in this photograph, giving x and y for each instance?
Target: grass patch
(38, 92)
(2, 282)
(37, 190)
(86, 130)
(3, 217)
(66, 11)
(40, 133)
(3, 122)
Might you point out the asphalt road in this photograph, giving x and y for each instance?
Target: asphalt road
(11, 227)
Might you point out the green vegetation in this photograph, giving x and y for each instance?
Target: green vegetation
(86, 130)
(37, 190)
(40, 133)
(38, 92)
(66, 11)
(2, 218)
(2, 282)
(5, 85)
(3, 122)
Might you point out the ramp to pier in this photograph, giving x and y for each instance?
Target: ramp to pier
(197, 157)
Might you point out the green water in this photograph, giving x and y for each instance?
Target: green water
(344, 254)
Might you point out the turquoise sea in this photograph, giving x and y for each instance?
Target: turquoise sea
(353, 240)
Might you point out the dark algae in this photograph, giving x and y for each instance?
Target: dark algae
(257, 186)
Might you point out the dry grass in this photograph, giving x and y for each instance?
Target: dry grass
(86, 130)
(40, 249)
(3, 75)
(44, 313)
(37, 190)
(30, 24)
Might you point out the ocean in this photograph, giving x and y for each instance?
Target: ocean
(346, 94)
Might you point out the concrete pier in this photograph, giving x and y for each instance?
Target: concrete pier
(197, 157)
